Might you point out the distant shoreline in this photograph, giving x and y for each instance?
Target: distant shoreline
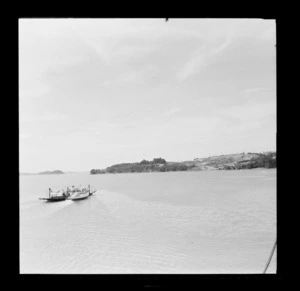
(64, 173)
(240, 161)
(55, 172)
(189, 171)
(252, 169)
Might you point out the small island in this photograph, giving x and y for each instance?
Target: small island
(51, 172)
(223, 162)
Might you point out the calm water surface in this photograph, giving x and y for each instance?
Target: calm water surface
(176, 222)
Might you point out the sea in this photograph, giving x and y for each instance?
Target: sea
(206, 222)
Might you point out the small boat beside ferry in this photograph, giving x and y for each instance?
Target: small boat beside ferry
(56, 196)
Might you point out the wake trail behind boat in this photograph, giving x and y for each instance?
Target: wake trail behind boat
(45, 209)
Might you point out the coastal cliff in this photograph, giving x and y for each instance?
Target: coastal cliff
(223, 162)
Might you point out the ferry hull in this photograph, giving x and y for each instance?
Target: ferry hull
(53, 199)
(79, 198)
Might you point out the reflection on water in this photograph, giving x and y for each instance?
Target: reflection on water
(193, 222)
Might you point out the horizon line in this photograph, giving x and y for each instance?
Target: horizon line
(87, 171)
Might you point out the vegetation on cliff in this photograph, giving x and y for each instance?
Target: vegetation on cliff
(96, 171)
(144, 166)
(156, 165)
(261, 161)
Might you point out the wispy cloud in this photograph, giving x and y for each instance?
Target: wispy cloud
(256, 90)
(201, 59)
(24, 135)
(252, 111)
(171, 111)
(125, 145)
(269, 33)
(50, 116)
(138, 76)
(29, 88)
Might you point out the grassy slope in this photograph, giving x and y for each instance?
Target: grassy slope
(221, 162)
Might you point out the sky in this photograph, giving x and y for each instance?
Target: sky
(97, 92)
